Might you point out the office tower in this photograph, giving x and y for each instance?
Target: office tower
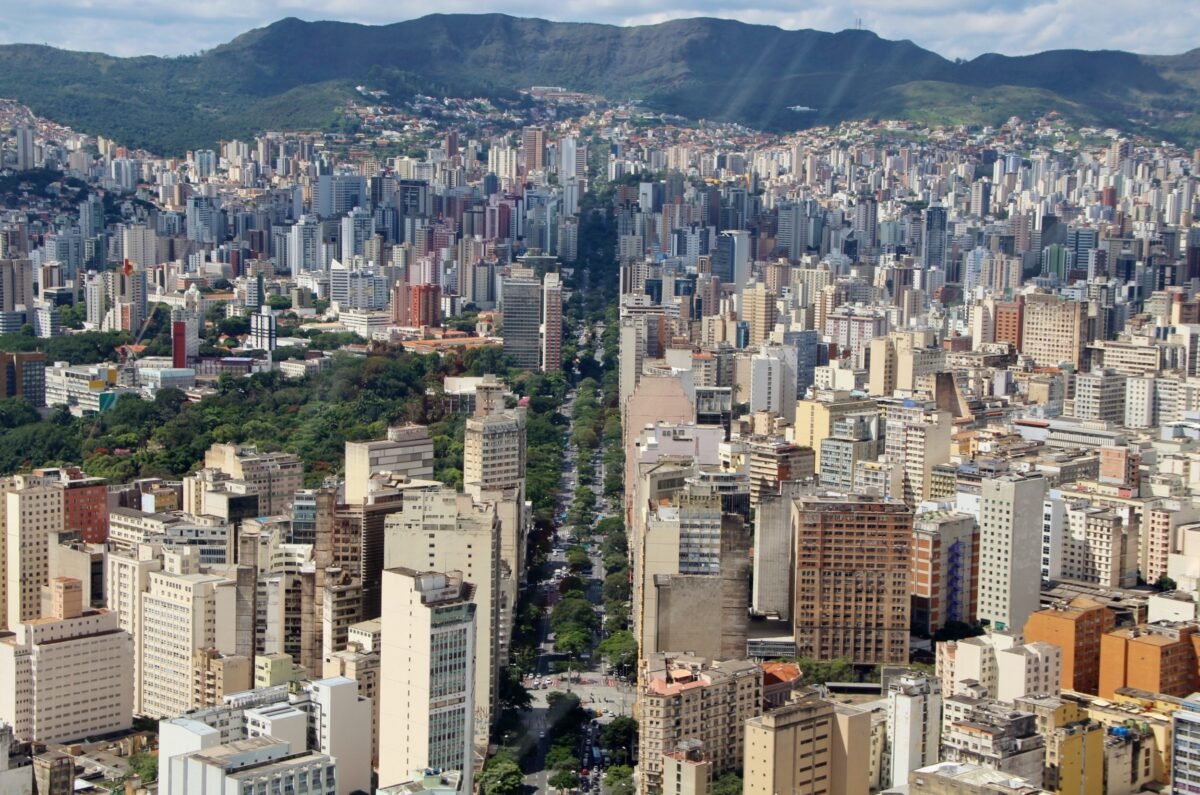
(263, 335)
(399, 303)
(1076, 628)
(773, 550)
(852, 601)
(494, 442)
(427, 675)
(808, 745)
(520, 307)
(945, 559)
(407, 450)
(1010, 542)
(65, 676)
(441, 530)
(815, 417)
(32, 515)
(1053, 330)
(26, 158)
(552, 323)
(357, 228)
(127, 576)
(933, 237)
(205, 221)
(533, 148)
(274, 476)
(682, 698)
(914, 706)
(23, 375)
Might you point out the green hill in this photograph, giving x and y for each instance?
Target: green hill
(294, 74)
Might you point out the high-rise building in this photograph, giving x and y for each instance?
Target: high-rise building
(274, 476)
(23, 375)
(945, 559)
(533, 148)
(1053, 330)
(441, 530)
(521, 309)
(552, 323)
(851, 591)
(682, 698)
(1185, 748)
(180, 614)
(263, 334)
(998, 662)
(933, 237)
(26, 153)
(406, 450)
(1160, 657)
(808, 745)
(65, 675)
(916, 439)
(32, 515)
(494, 441)
(358, 226)
(1010, 542)
(1076, 628)
(914, 707)
(427, 675)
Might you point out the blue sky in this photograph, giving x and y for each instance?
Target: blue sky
(954, 28)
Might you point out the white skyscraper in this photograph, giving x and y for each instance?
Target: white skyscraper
(1010, 572)
(427, 675)
(914, 725)
(357, 228)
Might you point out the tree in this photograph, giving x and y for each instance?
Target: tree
(578, 560)
(619, 649)
(144, 766)
(616, 586)
(618, 737)
(501, 776)
(561, 757)
(727, 784)
(1165, 583)
(564, 780)
(618, 780)
(512, 694)
(573, 642)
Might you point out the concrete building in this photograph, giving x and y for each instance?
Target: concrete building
(916, 439)
(1001, 664)
(552, 322)
(965, 778)
(1158, 658)
(274, 476)
(180, 614)
(1076, 628)
(65, 676)
(427, 675)
(443, 530)
(407, 450)
(944, 566)
(851, 587)
(1010, 522)
(914, 705)
(494, 445)
(1053, 330)
(32, 515)
(984, 732)
(807, 745)
(233, 768)
(687, 770)
(521, 308)
(683, 698)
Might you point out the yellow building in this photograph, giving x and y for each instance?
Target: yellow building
(809, 746)
(815, 418)
(1074, 745)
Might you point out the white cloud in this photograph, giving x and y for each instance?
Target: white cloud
(954, 28)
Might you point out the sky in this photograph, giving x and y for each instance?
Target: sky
(952, 28)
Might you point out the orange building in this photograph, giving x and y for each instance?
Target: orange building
(1159, 658)
(425, 305)
(1076, 628)
(1009, 322)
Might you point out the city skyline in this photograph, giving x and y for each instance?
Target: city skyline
(953, 30)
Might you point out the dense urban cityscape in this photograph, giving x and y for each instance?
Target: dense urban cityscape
(559, 444)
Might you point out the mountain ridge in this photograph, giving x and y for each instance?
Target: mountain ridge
(295, 73)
